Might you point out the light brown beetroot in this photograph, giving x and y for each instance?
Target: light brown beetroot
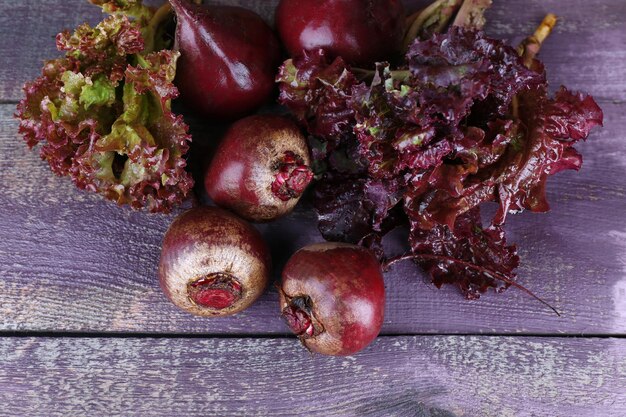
(213, 263)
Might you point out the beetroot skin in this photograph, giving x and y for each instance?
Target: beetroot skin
(360, 31)
(228, 61)
(332, 296)
(213, 263)
(260, 169)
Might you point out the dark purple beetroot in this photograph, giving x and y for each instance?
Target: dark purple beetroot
(260, 169)
(228, 61)
(332, 296)
(360, 31)
(213, 263)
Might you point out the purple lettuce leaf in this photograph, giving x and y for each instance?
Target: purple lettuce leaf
(466, 122)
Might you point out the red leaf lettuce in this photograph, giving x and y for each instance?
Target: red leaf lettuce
(463, 123)
(101, 114)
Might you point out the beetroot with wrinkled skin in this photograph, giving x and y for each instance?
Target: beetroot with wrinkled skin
(260, 169)
(332, 296)
(213, 263)
(228, 62)
(360, 31)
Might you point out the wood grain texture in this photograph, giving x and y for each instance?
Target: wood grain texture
(70, 261)
(434, 376)
(586, 51)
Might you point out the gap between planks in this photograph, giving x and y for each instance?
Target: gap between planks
(278, 336)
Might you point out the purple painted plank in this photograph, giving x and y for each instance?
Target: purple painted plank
(70, 261)
(400, 376)
(588, 40)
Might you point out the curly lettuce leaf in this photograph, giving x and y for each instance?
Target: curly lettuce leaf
(317, 92)
(147, 141)
(102, 114)
(102, 49)
(465, 122)
(461, 247)
(552, 127)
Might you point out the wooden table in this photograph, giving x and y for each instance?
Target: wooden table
(86, 331)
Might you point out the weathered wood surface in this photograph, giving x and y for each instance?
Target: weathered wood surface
(586, 52)
(71, 262)
(434, 376)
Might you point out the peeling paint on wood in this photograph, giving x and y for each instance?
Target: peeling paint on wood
(587, 42)
(71, 261)
(400, 376)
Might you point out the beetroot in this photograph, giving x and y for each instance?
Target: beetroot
(228, 59)
(213, 263)
(332, 296)
(360, 31)
(260, 168)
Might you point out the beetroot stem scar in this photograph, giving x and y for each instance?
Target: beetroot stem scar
(217, 291)
(292, 178)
